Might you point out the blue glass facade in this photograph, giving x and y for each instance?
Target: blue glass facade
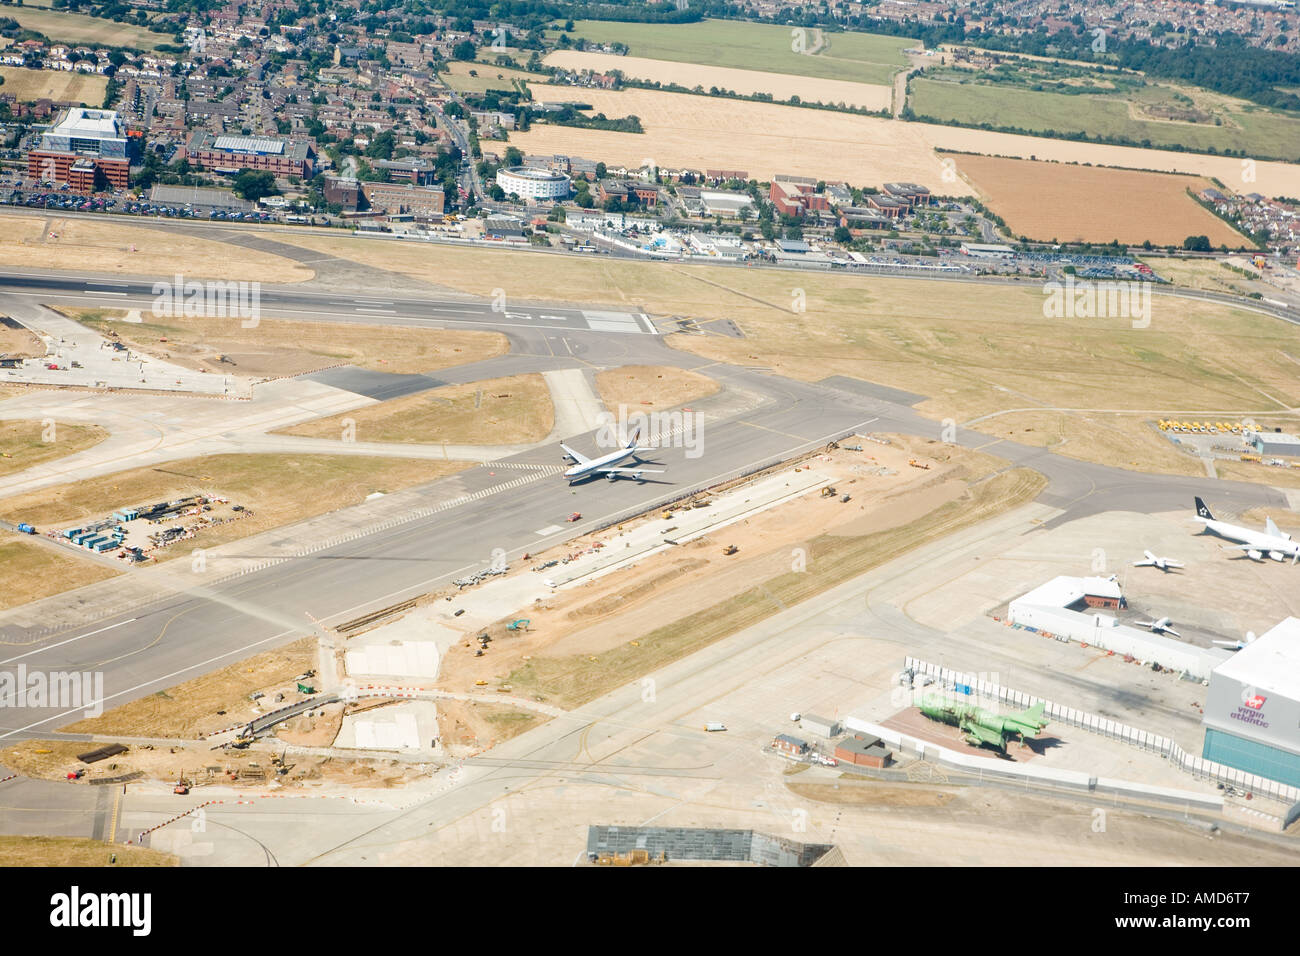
(1252, 757)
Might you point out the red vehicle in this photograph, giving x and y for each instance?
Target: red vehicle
(574, 517)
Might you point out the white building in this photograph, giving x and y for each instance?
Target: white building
(1252, 710)
(1059, 608)
(529, 182)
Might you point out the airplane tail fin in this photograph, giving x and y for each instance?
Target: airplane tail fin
(1202, 511)
(1035, 714)
(631, 442)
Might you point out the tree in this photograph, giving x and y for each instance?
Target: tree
(842, 235)
(513, 157)
(464, 50)
(1197, 244)
(557, 214)
(252, 186)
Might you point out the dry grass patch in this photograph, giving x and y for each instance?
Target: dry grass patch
(496, 411)
(22, 447)
(864, 794)
(19, 342)
(29, 85)
(279, 347)
(276, 489)
(33, 571)
(78, 852)
(191, 709)
(105, 244)
(658, 385)
(1054, 201)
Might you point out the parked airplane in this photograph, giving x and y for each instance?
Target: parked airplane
(1238, 645)
(1164, 564)
(1161, 626)
(1271, 541)
(608, 465)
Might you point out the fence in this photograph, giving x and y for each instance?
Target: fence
(1151, 743)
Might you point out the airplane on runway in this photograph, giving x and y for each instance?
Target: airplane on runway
(1160, 626)
(608, 465)
(1238, 645)
(1271, 541)
(1164, 564)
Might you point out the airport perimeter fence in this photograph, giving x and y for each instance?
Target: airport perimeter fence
(1198, 767)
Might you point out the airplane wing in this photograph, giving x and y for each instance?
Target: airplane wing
(1144, 564)
(1174, 564)
(631, 470)
(580, 458)
(982, 734)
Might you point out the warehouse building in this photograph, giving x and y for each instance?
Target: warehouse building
(1061, 608)
(1276, 443)
(88, 149)
(421, 203)
(231, 154)
(1252, 709)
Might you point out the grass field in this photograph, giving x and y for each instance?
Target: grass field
(659, 386)
(855, 57)
(33, 571)
(1051, 201)
(487, 77)
(276, 347)
(572, 680)
(22, 445)
(765, 139)
(77, 28)
(107, 245)
(491, 412)
(782, 86)
(1258, 131)
(189, 709)
(28, 85)
(77, 852)
(276, 489)
(974, 349)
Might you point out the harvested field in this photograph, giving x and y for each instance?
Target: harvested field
(189, 710)
(781, 86)
(491, 412)
(30, 85)
(651, 385)
(1051, 201)
(76, 28)
(107, 245)
(77, 852)
(871, 794)
(33, 571)
(279, 347)
(276, 489)
(765, 139)
(22, 445)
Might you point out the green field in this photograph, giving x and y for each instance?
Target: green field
(77, 28)
(1261, 133)
(855, 57)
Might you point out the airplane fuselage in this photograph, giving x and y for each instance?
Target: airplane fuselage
(596, 464)
(1257, 541)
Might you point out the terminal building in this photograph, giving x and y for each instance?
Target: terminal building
(232, 154)
(1252, 709)
(87, 149)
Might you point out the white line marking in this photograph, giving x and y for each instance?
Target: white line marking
(68, 641)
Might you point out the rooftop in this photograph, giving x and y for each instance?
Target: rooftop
(1271, 663)
(80, 121)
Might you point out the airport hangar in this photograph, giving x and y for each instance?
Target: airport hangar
(1252, 709)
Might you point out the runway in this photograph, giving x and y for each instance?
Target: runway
(174, 639)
